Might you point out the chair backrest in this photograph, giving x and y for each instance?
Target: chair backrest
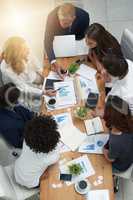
(127, 44)
(6, 189)
(21, 192)
(7, 152)
(126, 174)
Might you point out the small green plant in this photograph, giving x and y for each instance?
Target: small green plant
(73, 68)
(82, 111)
(75, 169)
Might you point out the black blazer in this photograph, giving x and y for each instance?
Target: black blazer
(12, 123)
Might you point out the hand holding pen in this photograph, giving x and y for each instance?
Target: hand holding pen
(52, 92)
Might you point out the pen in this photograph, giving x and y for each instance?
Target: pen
(61, 87)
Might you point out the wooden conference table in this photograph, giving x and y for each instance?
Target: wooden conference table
(100, 165)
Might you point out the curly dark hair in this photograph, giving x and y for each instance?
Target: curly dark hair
(41, 134)
(9, 95)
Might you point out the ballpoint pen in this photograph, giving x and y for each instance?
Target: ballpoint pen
(61, 88)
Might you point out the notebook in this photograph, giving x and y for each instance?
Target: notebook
(94, 126)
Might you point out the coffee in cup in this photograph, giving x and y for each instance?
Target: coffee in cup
(51, 103)
(82, 186)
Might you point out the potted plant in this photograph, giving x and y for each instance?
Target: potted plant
(73, 68)
(75, 169)
(81, 112)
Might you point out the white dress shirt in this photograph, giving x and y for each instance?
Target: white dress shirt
(124, 88)
(24, 81)
(30, 166)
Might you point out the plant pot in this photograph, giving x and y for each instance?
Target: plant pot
(84, 116)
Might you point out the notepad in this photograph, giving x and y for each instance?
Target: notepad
(86, 72)
(67, 46)
(98, 195)
(94, 126)
(94, 144)
(85, 163)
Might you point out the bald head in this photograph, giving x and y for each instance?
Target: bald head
(66, 15)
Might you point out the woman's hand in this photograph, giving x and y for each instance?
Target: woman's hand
(98, 112)
(50, 92)
(100, 82)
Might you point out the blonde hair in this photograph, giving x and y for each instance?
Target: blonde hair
(15, 53)
(66, 10)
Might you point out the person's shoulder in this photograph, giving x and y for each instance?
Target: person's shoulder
(115, 139)
(21, 108)
(53, 13)
(130, 63)
(3, 65)
(81, 12)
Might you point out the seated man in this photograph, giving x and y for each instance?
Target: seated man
(64, 20)
(12, 117)
(39, 151)
(121, 74)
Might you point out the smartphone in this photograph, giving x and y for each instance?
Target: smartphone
(92, 100)
(65, 177)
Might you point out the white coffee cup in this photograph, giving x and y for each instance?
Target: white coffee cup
(83, 186)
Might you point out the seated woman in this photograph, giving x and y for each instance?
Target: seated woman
(118, 119)
(101, 43)
(39, 151)
(12, 117)
(21, 68)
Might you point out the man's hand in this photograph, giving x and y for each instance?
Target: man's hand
(57, 68)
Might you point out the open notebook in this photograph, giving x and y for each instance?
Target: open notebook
(67, 45)
(94, 126)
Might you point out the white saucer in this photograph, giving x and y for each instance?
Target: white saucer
(84, 191)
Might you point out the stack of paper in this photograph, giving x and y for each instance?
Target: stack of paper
(98, 195)
(86, 71)
(94, 144)
(84, 162)
(84, 87)
(71, 136)
(63, 148)
(87, 74)
(63, 119)
(65, 93)
(81, 47)
(94, 126)
(67, 46)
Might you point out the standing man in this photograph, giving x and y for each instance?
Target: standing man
(64, 20)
